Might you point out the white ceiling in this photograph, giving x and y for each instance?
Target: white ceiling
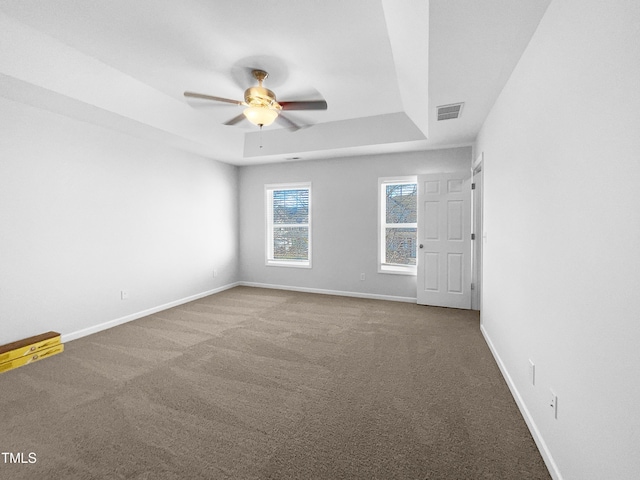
(381, 65)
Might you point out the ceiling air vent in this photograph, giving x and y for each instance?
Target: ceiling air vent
(448, 112)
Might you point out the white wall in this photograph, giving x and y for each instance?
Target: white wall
(86, 212)
(562, 254)
(344, 220)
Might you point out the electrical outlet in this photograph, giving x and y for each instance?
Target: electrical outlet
(553, 403)
(532, 372)
(362, 276)
(124, 294)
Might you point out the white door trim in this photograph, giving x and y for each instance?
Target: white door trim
(477, 209)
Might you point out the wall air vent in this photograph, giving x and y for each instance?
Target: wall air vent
(448, 112)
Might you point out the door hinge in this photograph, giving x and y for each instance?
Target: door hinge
(473, 286)
(473, 236)
(473, 186)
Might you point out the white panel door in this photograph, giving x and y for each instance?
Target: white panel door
(444, 239)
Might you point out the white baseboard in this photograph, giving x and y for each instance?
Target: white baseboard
(67, 337)
(533, 428)
(339, 293)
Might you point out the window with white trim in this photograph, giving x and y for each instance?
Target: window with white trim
(397, 236)
(288, 224)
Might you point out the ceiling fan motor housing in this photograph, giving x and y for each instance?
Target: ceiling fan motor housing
(261, 97)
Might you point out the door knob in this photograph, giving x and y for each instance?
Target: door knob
(421, 245)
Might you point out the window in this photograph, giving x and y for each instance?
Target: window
(289, 225)
(398, 225)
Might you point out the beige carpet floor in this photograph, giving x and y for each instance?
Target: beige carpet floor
(265, 384)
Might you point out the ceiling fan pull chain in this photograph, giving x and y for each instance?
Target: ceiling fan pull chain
(260, 136)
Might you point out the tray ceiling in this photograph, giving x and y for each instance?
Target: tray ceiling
(382, 66)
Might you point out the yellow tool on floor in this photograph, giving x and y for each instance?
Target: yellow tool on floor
(29, 350)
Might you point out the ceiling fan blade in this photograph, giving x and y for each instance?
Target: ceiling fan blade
(235, 120)
(304, 105)
(211, 97)
(287, 122)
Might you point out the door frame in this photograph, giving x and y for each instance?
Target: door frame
(477, 209)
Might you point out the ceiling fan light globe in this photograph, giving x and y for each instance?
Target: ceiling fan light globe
(260, 115)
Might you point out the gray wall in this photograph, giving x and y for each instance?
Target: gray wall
(344, 220)
(86, 212)
(562, 255)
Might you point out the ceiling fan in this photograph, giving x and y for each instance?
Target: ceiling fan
(262, 108)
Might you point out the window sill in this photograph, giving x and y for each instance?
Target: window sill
(288, 263)
(398, 269)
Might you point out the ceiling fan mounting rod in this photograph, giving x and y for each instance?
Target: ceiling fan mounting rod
(259, 75)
